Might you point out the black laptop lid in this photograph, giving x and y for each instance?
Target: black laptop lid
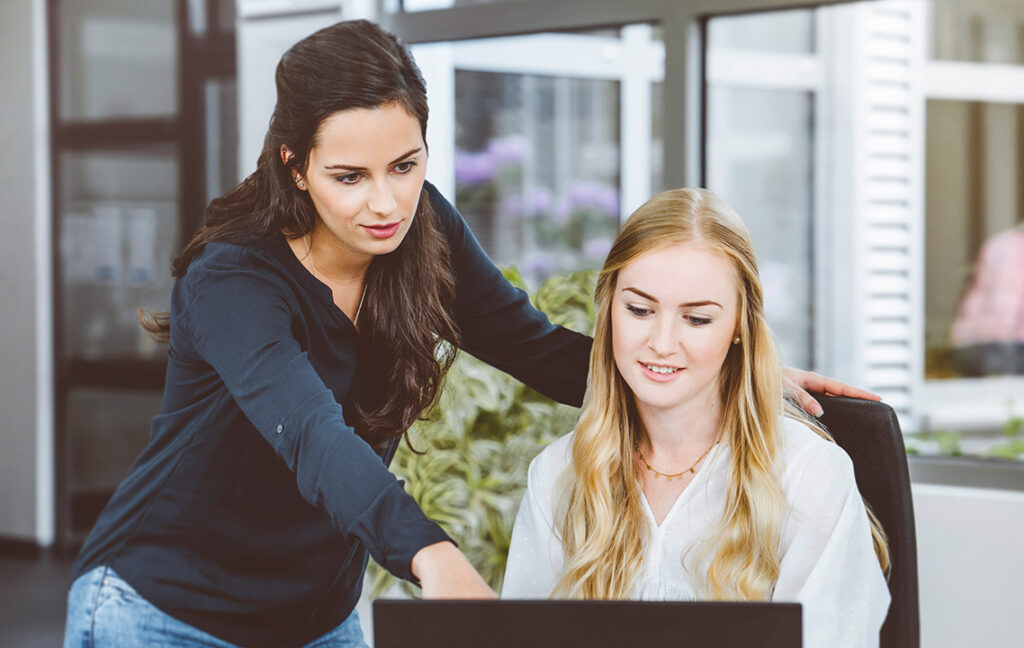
(593, 624)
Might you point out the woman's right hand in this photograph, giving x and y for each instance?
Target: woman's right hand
(444, 572)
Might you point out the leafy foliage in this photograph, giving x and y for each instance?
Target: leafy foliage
(950, 442)
(480, 438)
(944, 442)
(1013, 447)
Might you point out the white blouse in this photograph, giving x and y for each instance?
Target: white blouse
(828, 559)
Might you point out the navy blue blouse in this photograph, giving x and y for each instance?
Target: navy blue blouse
(251, 512)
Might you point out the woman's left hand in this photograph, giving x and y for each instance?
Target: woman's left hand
(798, 382)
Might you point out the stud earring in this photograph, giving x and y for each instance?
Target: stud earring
(736, 340)
(301, 185)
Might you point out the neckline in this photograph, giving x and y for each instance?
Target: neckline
(302, 274)
(316, 275)
(702, 476)
(284, 251)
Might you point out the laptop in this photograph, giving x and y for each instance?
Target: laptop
(592, 624)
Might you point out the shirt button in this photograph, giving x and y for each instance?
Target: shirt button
(280, 429)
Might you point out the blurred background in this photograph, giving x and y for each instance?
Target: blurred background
(875, 149)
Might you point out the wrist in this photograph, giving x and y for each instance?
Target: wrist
(425, 562)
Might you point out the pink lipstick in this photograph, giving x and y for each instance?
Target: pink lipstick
(382, 231)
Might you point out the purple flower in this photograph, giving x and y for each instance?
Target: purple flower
(474, 168)
(511, 149)
(511, 206)
(560, 214)
(538, 264)
(596, 249)
(592, 195)
(539, 201)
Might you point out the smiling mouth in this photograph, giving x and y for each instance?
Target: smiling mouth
(661, 370)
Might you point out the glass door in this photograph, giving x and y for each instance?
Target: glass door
(141, 141)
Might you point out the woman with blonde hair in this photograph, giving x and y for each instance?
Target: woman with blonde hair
(688, 475)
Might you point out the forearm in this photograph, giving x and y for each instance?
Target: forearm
(241, 326)
(444, 572)
(340, 474)
(499, 325)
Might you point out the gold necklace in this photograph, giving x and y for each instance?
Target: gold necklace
(678, 475)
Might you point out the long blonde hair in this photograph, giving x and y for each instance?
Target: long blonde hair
(603, 526)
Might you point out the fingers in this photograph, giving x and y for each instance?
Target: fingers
(811, 381)
(836, 388)
(806, 401)
(799, 382)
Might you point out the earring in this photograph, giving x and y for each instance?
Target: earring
(736, 340)
(299, 182)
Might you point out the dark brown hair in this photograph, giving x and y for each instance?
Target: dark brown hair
(350, 65)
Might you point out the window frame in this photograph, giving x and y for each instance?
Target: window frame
(684, 77)
(794, 72)
(684, 66)
(979, 404)
(638, 63)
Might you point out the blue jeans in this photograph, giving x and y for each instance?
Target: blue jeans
(104, 610)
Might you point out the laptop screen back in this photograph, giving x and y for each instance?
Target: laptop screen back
(593, 624)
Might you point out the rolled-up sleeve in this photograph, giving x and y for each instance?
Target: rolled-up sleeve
(239, 322)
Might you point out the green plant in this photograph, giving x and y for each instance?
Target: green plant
(949, 442)
(480, 438)
(1013, 447)
(1014, 425)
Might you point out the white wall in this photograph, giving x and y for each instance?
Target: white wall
(970, 566)
(26, 402)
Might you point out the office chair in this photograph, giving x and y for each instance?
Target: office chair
(870, 433)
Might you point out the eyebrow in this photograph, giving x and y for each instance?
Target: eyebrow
(703, 302)
(347, 167)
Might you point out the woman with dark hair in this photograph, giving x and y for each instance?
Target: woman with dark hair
(311, 323)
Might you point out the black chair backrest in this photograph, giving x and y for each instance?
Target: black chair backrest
(870, 433)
